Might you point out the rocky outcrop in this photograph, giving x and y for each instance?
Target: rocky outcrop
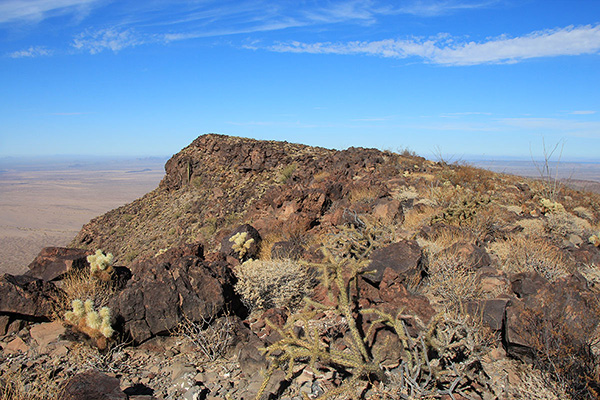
(220, 182)
(404, 258)
(92, 385)
(26, 297)
(168, 288)
(549, 314)
(53, 262)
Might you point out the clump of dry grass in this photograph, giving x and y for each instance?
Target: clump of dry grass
(531, 226)
(364, 194)
(211, 337)
(452, 281)
(80, 284)
(416, 217)
(444, 238)
(564, 224)
(264, 284)
(522, 254)
(18, 383)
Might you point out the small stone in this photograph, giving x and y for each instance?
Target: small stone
(17, 345)
(47, 333)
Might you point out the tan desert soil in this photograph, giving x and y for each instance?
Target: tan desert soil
(46, 205)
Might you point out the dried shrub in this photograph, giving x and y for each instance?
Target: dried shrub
(462, 209)
(564, 224)
(441, 361)
(532, 227)
(17, 382)
(521, 254)
(583, 212)
(80, 284)
(265, 284)
(453, 281)
(359, 237)
(563, 350)
(211, 337)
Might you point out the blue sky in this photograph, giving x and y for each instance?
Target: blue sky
(485, 78)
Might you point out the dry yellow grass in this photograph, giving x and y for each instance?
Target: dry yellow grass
(522, 254)
(416, 217)
(364, 194)
(79, 284)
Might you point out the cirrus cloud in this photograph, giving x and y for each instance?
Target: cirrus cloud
(107, 39)
(443, 49)
(32, 51)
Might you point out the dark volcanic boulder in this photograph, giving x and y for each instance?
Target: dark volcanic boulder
(92, 385)
(53, 262)
(28, 297)
(165, 289)
(404, 258)
(562, 313)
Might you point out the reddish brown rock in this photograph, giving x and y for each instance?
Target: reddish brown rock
(404, 258)
(53, 262)
(525, 284)
(472, 255)
(92, 385)
(4, 321)
(166, 288)
(564, 313)
(585, 254)
(28, 297)
(395, 296)
(388, 210)
(491, 313)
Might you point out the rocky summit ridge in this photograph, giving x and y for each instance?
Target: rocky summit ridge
(264, 269)
(218, 181)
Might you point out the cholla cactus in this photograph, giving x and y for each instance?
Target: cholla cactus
(595, 239)
(240, 243)
(95, 324)
(549, 206)
(101, 265)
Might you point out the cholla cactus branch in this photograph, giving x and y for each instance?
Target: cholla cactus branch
(241, 243)
(95, 324)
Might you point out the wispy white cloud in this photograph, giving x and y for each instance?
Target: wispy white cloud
(432, 8)
(68, 114)
(464, 114)
(583, 112)
(373, 119)
(37, 10)
(107, 39)
(565, 127)
(445, 50)
(33, 51)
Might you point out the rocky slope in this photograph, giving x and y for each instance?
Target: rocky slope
(380, 275)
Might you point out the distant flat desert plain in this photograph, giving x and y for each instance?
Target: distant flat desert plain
(45, 202)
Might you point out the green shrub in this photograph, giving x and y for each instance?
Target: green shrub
(286, 173)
